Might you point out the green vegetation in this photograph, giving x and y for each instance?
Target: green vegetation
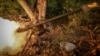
(9, 8)
(54, 7)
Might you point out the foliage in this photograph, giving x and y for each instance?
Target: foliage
(54, 7)
(10, 7)
(70, 5)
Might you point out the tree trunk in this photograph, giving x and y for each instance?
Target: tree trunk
(28, 10)
(36, 16)
(40, 11)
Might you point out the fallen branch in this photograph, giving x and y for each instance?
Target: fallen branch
(49, 20)
(84, 8)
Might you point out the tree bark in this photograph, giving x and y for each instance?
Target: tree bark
(28, 10)
(36, 16)
(40, 11)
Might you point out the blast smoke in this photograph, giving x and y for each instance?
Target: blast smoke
(11, 42)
